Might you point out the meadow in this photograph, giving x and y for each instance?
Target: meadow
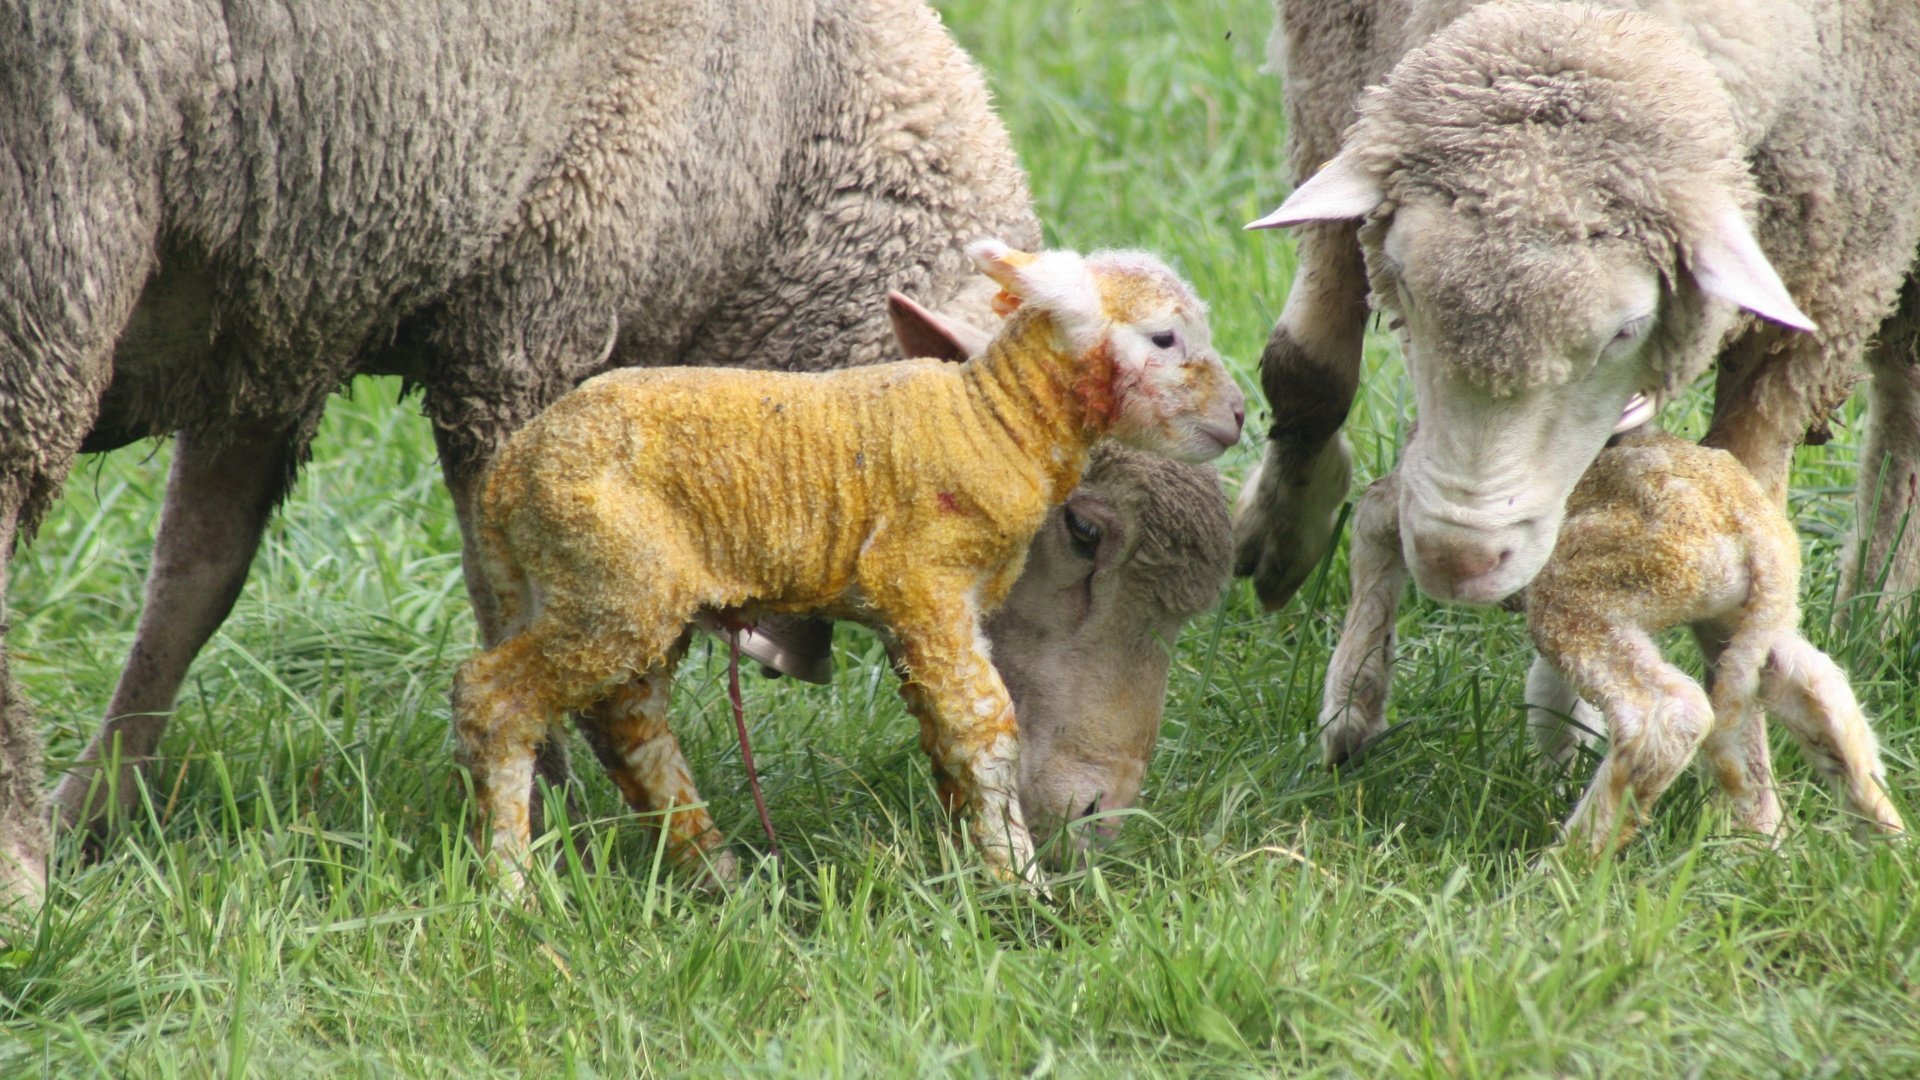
(298, 898)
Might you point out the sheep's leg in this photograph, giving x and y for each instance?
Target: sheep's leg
(1737, 747)
(220, 492)
(1770, 389)
(1812, 697)
(628, 731)
(1311, 367)
(1656, 719)
(1354, 697)
(1883, 558)
(23, 827)
(967, 722)
(1560, 721)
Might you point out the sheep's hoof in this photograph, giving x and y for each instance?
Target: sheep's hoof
(1347, 746)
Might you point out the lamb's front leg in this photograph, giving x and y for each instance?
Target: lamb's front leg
(967, 723)
(1560, 721)
(1353, 702)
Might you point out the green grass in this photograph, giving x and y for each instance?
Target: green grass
(298, 900)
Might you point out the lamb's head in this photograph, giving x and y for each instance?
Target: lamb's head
(1169, 393)
(1085, 638)
(1554, 202)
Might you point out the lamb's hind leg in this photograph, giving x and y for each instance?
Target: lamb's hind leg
(220, 492)
(464, 458)
(629, 734)
(1737, 748)
(1656, 719)
(1812, 697)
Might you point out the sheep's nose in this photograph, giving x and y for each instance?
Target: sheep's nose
(1451, 559)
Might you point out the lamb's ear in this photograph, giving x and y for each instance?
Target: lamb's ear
(1727, 263)
(924, 332)
(1055, 281)
(1340, 191)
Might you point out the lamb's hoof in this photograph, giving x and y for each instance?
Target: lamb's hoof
(715, 872)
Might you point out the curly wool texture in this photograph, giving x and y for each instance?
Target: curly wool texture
(229, 211)
(1554, 130)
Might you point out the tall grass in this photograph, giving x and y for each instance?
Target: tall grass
(296, 898)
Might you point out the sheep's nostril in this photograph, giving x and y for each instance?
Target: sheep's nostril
(1092, 809)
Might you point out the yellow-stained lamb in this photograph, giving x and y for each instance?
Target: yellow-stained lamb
(1660, 532)
(902, 495)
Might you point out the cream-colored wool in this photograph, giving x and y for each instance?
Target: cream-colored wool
(903, 495)
(1661, 533)
(1545, 147)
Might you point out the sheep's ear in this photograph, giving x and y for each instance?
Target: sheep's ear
(1727, 263)
(1340, 191)
(922, 331)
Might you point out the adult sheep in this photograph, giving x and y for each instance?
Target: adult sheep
(215, 215)
(1563, 205)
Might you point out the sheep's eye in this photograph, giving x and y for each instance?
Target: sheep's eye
(1632, 328)
(1164, 339)
(1084, 535)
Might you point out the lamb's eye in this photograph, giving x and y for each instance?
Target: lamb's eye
(1164, 339)
(1083, 535)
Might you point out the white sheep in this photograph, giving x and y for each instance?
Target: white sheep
(217, 214)
(1563, 205)
(902, 495)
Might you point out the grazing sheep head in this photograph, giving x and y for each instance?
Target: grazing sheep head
(1170, 393)
(1554, 200)
(1084, 640)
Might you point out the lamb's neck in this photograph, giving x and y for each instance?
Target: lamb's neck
(1050, 405)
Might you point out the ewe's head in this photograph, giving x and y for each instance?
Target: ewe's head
(1554, 202)
(1085, 638)
(1169, 392)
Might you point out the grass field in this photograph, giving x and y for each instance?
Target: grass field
(299, 900)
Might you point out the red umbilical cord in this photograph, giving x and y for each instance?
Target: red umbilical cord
(746, 748)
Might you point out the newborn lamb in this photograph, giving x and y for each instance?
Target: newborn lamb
(1661, 532)
(901, 495)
